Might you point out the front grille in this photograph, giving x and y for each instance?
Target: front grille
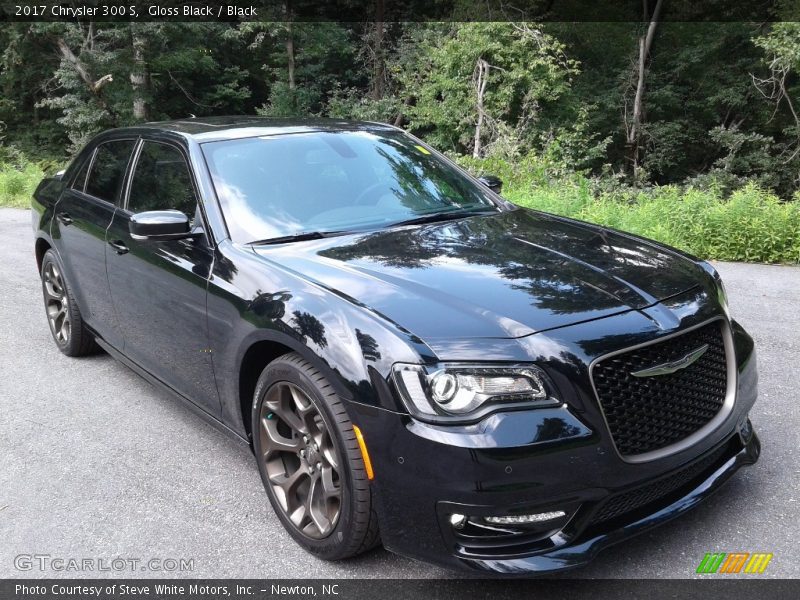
(628, 502)
(649, 413)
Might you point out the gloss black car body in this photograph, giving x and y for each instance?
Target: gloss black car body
(205, 315)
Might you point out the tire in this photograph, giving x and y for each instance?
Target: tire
(295, 410)
(63, 315)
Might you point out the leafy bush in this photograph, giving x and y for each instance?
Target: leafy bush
(18, 180)
(751, 224)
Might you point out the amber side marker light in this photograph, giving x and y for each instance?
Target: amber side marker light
(364, 453)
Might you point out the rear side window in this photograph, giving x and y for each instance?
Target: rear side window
(108, 169)
(80, 180)
(161, 181)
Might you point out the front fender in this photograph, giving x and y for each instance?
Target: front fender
(250, 301)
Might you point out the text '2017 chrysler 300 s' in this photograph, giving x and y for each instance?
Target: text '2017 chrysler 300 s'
(414, 360)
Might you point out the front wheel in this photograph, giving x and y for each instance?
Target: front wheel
(310, 461)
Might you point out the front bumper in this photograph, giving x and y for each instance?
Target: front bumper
(538, 461)
(583, 549)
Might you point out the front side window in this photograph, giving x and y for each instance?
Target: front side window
(283, 185)
(161, 181)
(108, 169)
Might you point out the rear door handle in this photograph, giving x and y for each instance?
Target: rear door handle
(119, 247)
(64, 218)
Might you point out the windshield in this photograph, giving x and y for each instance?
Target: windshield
(277, 186)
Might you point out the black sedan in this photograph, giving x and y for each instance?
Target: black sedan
(413, 360)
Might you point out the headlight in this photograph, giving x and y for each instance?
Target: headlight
(463, 392)
(722, 294)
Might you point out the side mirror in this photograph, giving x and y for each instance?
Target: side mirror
(493, 182)
(159, 225)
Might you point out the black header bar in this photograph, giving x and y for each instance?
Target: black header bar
(401, 10)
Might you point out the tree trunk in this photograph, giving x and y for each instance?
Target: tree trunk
(379, 66)
(480, 78)
(140, 77)
(290, 56)
(635, 125)
(289, 44)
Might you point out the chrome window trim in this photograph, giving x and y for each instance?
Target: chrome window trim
(705, 430)
(88, 162)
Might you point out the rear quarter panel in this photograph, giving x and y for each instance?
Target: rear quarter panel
(43, 203)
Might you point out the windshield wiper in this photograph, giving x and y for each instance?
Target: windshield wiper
(318, 235)
(442, 216)
(298, 237)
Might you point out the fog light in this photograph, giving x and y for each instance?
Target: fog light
(458, 521)
(523, 519)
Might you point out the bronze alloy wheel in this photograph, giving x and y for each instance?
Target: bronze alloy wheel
(300, 459)
(56, 303)
(70, 333)
(310, 460)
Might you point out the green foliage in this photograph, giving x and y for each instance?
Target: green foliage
(720, 135)
(191, 77)
(83, 114)
(18, 180)
(526, 67)
(699, 83)
(782, 46)
(747, 158)
(750, 225)
(351, 103)
(323, 62)
(719, 102)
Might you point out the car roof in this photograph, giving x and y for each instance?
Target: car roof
(212, 129)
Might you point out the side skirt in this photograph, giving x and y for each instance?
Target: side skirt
(209, 418)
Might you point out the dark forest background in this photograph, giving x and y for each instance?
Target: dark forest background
(613, 122)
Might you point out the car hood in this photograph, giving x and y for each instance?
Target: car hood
(505, 275)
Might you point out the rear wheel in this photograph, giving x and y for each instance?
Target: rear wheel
(310, 461)
(63, 315)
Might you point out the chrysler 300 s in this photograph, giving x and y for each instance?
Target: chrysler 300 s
(413, 359)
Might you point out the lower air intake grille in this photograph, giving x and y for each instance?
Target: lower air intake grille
(628, 502)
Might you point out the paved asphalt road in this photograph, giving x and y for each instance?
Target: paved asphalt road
(97, 463)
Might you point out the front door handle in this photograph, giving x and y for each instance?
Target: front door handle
(119, 247)
(64, 218)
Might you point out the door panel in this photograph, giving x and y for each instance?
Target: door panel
(159, 287)
(79, 234)
(82, 216)
(159, 292)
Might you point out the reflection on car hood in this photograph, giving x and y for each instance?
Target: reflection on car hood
(504, 275)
